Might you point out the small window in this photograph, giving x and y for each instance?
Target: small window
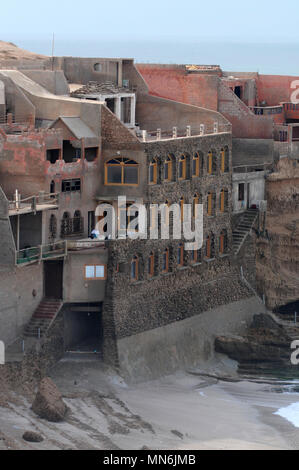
(210, 246)
(98, 67)
(53, 155)
(223, 245)
(95, 272)
(212, 163)
(165, 261)
(182, 167)
(193, 256)
(168, 168)
(182, 202)
(223, 200)
(151, 265)
(180, 255)
(153, 171)
(211, 204)
(195, 203)
(195, 165)
(71, 185)
(134, 268)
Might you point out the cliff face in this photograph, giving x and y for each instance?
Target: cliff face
(277, 260)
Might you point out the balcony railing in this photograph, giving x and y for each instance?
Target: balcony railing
(33, 203)
(175, 133)
(266, 110)
(41, 252)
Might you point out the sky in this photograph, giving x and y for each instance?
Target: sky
(262, 35)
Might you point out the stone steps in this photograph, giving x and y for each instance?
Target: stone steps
(245, 225)
(42, 318)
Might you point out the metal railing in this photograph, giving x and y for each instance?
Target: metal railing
(41, 252)
(266, 110)
(32, 202)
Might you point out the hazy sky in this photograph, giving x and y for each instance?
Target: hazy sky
(266, 20)
(160, 30)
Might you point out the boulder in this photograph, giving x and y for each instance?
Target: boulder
(48, 403)
(31, 436)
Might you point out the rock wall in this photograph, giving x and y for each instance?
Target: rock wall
(278, 245)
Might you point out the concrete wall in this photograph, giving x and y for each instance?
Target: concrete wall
(245, 123)
(53, 81)
(20, 293)
(183, 344)
(153, 112)
(253, 152)
(75, 287)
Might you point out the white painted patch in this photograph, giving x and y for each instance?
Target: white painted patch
(291, 413)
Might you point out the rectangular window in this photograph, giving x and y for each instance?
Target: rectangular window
(131, 175)
(96, 272)
(71, 185)
(114, 174)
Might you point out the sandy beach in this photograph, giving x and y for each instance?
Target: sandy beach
(182, 411)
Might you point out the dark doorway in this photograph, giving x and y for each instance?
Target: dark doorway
(53, 280)
(238, 91)
(83, 330)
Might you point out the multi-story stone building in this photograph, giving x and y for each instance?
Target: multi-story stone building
(60, 157)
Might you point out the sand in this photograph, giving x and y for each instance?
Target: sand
(182, 411)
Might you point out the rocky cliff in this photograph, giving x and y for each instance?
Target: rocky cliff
(277, 253)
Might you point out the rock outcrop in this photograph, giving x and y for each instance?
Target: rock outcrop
(265, 345)
(277, 248)
(48, 403)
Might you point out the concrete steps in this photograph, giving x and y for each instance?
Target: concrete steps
(43, 317)
(245, 225)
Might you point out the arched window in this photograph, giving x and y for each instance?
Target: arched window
(210, 247)
(197, 164)
(151, 264)
(77, 222)
(135, 268)
(52, 187)
(180, 255)
(66, 225)
(211, 204)
(182, 167)
(121, 171)
(153, 171)
(53, 227)
(196, 201)
(168, 168)
(223, 245)
(165, 261)
(224, 154)
(182, 202)
(223, 200)
(212, 163)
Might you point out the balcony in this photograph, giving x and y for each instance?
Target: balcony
(41, 253)
(44, 201)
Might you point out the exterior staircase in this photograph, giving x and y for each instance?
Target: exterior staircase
(43, 317)
(243, 229)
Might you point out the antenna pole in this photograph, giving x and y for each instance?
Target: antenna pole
(53, 45)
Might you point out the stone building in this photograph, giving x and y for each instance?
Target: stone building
(61, 155)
